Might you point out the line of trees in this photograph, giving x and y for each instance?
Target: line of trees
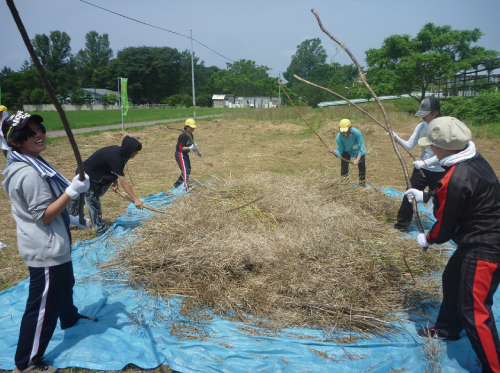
(155, 74)
(163, 75)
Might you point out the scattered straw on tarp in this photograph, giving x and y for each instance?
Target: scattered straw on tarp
(310, 253)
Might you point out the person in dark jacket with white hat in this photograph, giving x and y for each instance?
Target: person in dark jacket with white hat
(467, 210)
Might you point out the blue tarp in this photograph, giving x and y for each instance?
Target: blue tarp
(126, 335)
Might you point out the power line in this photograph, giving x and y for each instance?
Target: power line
(147, 24)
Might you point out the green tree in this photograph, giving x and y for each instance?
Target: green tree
(310, 55)
(97, 50)
(404, 64)
(78, 97)
(39, 96)
(54, 51)
(89, 98)
(109, 99)
(92, 61)
(243, 78)
(152, 72)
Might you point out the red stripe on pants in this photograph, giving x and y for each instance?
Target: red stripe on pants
(183, 167)
(480, 290)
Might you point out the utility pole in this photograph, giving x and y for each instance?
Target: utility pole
(192, 76)
(119, 93)
(279, 86)
(120, 102)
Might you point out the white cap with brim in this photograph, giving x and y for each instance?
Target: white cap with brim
(446, 133)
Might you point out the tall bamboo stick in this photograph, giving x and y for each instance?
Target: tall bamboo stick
(356, 106)
(53, 98)
(306, 122)
(384, 112)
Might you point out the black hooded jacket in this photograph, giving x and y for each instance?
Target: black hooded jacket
(106, 164)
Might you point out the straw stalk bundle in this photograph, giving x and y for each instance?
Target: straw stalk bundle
(308, 254)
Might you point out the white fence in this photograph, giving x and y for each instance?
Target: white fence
(69, 107)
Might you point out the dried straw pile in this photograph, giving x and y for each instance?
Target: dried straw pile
(306, 255)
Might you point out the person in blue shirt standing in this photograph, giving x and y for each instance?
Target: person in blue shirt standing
(350, 144)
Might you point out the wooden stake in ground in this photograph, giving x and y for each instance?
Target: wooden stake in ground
(384, 112)
(53, 98)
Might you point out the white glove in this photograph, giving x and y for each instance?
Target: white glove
(393, 134)
(76, 187)
(75, 220)
(418, 164)
(193, 147)
(422, 241)
(415, 193)
(198, 153)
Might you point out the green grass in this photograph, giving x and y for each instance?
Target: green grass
(87, 118)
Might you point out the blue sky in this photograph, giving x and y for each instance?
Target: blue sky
(267, 32)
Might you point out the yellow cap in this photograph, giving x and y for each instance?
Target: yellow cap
(3, 108)
(344, 125)
(190, 123)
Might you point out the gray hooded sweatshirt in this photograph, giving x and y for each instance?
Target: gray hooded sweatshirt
(40, 245)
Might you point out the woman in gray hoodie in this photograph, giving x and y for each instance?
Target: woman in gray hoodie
(39, 196)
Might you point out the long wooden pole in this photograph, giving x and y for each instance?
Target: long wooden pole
(53, 98)
(384, 112)
(353, 104)
(311, 127)
(131, 200)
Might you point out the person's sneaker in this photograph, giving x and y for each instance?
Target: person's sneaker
(433, 333)
(38, 366)
(400, 228)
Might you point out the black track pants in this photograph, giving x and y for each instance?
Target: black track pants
(344, 167)
(50, 297)
(184, 163)
(468, 288)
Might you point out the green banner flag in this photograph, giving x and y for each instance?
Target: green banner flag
(124, 96)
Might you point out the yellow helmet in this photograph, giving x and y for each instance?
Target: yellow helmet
(190, 123)
(3, 108)
(344, 125)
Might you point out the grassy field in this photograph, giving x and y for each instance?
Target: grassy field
(242, 142)
(87, 118)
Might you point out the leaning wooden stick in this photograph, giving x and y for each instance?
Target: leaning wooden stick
(356, 106)
(306, 122)
(130, 199)
(384, 112)
(246, 204)
(53, 98)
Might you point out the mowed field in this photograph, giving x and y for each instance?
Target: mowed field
(232, 146)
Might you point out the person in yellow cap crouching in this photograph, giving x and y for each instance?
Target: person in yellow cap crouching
(185, 143)
(350, 144)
